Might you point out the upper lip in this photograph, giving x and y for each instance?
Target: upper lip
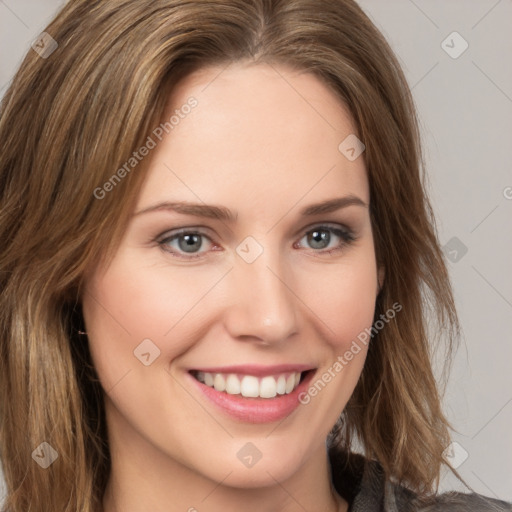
(256, 370)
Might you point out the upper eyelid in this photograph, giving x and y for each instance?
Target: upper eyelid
(203, 230)
(330, 224)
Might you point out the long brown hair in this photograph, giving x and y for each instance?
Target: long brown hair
(70, 119)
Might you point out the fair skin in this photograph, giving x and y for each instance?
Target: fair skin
(264, 147)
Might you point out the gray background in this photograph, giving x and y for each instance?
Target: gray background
(465, 108)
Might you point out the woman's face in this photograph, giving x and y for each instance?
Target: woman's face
(278, 289)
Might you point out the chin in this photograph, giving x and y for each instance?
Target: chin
(255, 462)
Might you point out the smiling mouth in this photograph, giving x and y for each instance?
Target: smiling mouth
(251, 386)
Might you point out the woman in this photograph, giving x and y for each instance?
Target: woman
(217, 258)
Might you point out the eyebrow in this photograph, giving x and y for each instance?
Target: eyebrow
(222, 213)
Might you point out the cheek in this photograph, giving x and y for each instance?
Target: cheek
(343, 301)
(134, 301)
(343, 298)
(131, 303)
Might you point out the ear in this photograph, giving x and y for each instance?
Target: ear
(380, 278)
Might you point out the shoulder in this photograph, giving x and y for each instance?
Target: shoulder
(361, 482)
(450, 502)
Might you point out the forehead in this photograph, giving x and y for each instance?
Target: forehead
(269, 130)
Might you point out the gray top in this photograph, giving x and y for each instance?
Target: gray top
(361, 482)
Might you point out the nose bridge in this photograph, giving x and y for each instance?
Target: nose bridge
(263, 307)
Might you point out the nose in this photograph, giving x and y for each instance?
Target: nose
(263, 308)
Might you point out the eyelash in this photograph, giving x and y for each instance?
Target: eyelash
(346, 236)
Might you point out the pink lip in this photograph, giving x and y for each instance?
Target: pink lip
(255, 410)
(256, 370)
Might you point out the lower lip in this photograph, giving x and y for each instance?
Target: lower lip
(255, 410)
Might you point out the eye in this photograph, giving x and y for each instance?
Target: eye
(188, 242)
(320, 237)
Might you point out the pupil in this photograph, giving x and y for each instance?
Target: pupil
(190, 240)
(320, 237)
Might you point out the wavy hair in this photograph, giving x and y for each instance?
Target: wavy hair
(70, 119)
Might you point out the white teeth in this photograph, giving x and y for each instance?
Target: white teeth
(250, 386)
(232, 385)
(268, 387)
(281, 385)
(290, 383)
(208, 379)
(219, 383)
